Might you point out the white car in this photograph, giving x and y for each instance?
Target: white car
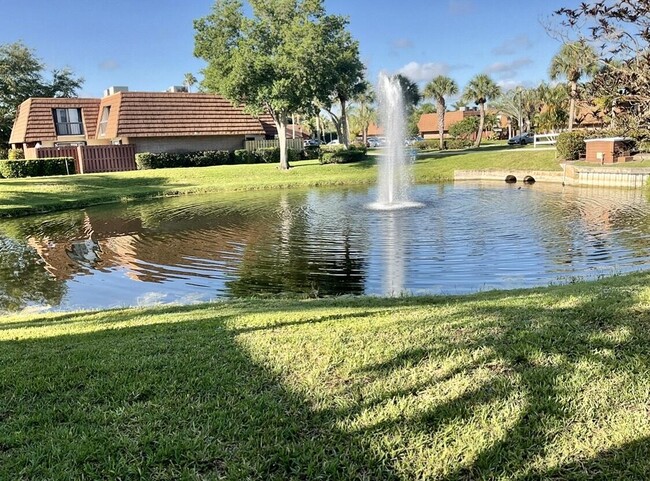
(334, 142)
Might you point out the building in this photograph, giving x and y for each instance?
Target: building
(429, 129)
(170, 121)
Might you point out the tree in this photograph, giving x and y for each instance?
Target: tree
(479, 90)
(276, 60)
(620, 32)
(347, 78)
(573, 61)
(22, 76)
(553, 114)
(439, 88)
(411, 92)
(363, 114)
(189, 80)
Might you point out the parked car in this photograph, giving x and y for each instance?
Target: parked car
(523, 139)
(373, 142)
(413, 140)
(311, 143)
(334, 142)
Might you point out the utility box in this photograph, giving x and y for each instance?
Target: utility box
(608, 150)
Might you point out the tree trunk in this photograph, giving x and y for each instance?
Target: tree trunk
(281, 125)
(479, 136)
(345, 138)
(572, 104)
(441, 122)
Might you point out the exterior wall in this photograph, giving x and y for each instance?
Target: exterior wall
(604, 147)
(186, 144)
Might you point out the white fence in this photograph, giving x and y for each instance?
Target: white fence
(544, 139)
(293, 144)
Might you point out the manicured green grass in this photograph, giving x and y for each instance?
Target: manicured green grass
(547, 383)
(626, 165)
(47, 194)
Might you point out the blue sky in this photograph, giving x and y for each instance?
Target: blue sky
(147, 45)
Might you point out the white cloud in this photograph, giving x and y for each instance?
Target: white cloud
(423, 72)
(508, 69)
(513, 45)
(509, 84)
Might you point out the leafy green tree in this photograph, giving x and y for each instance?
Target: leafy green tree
(553, 115)
(620, 29)
(479, 90)
(348, 80)
(275, 60)
(22, 75)
(574, 61)
(439, 88)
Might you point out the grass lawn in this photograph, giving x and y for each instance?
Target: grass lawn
(47, 194)
(549, 383)
(626, 165)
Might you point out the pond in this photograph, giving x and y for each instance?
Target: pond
(466, 237)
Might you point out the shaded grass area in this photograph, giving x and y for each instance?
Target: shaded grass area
(47, 194)
(549, 383)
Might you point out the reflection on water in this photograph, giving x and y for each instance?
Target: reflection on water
(465, 238)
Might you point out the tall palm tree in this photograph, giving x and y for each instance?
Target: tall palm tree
(479, 90)
(189, 80)
(573, 61)
(439, 88)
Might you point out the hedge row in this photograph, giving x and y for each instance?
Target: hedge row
(342, 155)
(36, 167)
(148, 160)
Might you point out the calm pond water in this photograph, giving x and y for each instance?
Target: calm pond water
(466, 238)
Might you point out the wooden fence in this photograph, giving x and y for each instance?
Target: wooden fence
(293, 144)
(89, 159)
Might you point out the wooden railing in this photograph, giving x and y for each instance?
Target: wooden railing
(94, 158)
(293, 144)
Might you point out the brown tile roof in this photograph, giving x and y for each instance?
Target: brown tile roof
(152, 114)
(35, 119)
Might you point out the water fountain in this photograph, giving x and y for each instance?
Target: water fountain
(394, 179)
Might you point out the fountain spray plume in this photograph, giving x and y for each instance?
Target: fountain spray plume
(394, 178)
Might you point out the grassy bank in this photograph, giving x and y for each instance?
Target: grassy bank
(548, 383)
(29, 196)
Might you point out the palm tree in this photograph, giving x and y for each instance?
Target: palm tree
(410, 91)
(479, 90)
(439, 88)
(189, 80)
(363, 113)
(573, 61)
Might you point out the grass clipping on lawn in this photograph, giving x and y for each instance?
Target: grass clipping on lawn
(549, 383)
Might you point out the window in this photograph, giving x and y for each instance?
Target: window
(103, 122)
(68, 122)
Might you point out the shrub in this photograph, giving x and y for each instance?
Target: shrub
(4, 153)
(243, 156)
(458, 143)
(211, 157)
(429, 144)
(570, 145)
(15, 154)
(332, 148)
(342, 156)
(148, 160)
(643, 146)
(271, 155)
(36, 167)
(311, 152)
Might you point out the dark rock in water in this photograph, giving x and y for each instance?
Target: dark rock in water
(529, 179)
(511, 179)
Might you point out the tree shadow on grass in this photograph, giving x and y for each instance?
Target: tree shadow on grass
(187, 400)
